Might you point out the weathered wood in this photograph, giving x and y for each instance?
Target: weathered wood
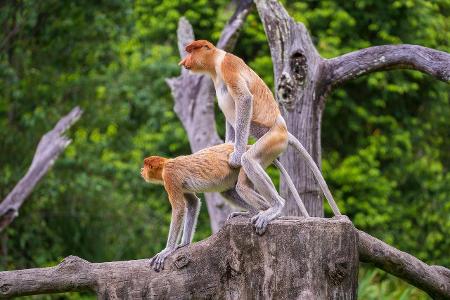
(48, 150)
(435, 280)
(296, 258)
(358, 63)
(194, 102)
(303, 80)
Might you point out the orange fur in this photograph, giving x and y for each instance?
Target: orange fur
(153, 168)
(204, 171)
(235, 74)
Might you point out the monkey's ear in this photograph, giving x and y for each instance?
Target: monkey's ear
(198, 44)
(193, 45)
(154, 161)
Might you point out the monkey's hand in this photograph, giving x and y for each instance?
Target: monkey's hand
(157, 261)
(235, 159)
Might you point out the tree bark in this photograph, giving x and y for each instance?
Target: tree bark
(296, 258)
(48, 150)
(194, 102)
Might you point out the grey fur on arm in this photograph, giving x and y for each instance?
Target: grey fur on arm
(244, 110)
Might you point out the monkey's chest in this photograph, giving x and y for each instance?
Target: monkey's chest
(226, 103)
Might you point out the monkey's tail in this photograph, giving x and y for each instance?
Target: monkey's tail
(291, 187)
(317, 174)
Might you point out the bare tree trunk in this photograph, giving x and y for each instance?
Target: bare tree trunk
(304, 79)
(296, 68)
(48, 150)
(194, 102)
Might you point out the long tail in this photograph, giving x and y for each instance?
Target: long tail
(317, 174)
(291, 187)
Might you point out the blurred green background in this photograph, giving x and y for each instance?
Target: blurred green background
(385, 137)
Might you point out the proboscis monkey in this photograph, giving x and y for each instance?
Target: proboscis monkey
(204, 171)
(250, 109)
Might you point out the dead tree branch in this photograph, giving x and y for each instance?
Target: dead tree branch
(379, 58)
(194, 102)
(435, 280)
(48, 150)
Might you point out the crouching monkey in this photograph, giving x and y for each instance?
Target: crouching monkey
(204, 171)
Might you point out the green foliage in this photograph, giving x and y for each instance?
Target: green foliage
(375, 284)
(384, 136)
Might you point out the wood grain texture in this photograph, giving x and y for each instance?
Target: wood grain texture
(50, 146)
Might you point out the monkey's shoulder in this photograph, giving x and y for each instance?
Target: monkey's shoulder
(231, 64)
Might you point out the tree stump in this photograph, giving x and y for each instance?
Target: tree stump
(297, 258)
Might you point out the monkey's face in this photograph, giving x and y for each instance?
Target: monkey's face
(152, 170)
(200, 56)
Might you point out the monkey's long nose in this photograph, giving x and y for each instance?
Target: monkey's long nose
(182, 62)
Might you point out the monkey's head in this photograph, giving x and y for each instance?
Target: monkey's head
(200, 57)
(153, 168)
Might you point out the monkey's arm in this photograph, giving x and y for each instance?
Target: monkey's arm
(229, 133)
(244, 111)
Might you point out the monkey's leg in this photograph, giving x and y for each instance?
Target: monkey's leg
(192, 210)
(254, 161)
(175, 226)
(275, 202)
(246, 191)
(233, 197)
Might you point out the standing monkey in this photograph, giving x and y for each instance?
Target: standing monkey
(250, 109)
(204, 171)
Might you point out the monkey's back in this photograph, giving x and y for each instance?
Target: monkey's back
(265, 107)
(204, 171)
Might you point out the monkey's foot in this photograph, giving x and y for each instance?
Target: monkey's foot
(157, 261)
(237, 213)
(262, 219)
